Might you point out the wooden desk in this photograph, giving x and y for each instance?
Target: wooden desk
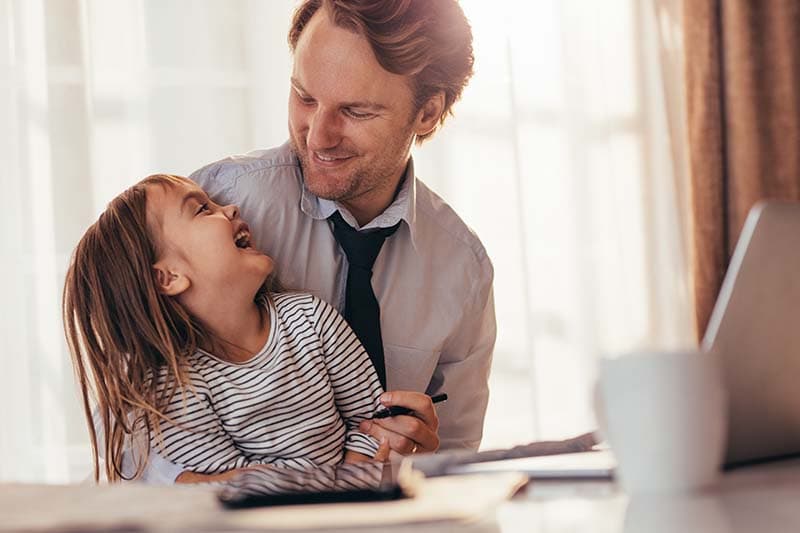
(758, 499)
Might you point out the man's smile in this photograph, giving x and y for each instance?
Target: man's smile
(330, 160)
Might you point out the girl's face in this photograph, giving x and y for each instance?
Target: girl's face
(207, 244)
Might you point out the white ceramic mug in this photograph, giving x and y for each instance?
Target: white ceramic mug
(664, 416)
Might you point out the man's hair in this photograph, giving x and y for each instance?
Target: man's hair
(429, 41)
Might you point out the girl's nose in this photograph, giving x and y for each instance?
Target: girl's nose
(231, 211)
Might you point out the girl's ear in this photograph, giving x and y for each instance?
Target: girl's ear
(429, 115)
(170, 282)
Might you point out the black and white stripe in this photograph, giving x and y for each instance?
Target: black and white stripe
(297, 403)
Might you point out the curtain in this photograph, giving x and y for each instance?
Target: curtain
(95, 95)
(579, 194)
(743, 108)
(565, 155)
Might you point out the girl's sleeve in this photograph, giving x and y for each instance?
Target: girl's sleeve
(194, 437)
(355, 383)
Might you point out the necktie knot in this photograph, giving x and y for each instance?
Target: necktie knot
(360, 247)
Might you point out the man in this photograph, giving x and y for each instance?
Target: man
(370, 78)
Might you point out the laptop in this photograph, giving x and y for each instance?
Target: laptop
(755, 331)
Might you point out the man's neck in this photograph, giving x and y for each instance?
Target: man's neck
(368, 206)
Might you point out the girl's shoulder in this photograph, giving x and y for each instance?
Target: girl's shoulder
(293, 300)
(292, 303)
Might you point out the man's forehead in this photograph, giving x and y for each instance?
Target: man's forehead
(338, 63)
(321, 31)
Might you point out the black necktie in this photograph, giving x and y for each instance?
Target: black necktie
(361, 309)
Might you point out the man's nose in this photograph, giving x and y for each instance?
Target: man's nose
(324, 130)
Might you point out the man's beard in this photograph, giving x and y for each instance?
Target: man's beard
(352, 181)
(364, 177)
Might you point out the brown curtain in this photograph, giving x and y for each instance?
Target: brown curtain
(743, 106)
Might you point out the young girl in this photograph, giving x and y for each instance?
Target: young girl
(180, 337)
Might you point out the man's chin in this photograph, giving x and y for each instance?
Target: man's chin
(325, 192)
(327, 185)
(330, 184)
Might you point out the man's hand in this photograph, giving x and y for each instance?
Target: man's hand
(407, 434)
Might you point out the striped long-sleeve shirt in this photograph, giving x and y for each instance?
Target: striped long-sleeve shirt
(297, 403)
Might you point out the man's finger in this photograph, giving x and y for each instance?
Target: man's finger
(416, 401)
(411, 428)
(399, 443)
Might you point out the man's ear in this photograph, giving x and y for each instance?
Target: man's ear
(169, 281)
(429, 115)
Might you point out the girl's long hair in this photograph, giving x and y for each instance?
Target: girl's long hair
(123, 333)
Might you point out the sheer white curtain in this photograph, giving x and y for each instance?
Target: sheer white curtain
(559, 156)
(96, 94)
(566, 156)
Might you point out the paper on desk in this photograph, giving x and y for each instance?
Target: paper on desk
(455, 498)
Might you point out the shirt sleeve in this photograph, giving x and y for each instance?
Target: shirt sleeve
(198, 437)
(355, 383)
(463, 369)
(193, 438)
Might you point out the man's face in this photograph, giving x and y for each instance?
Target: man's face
(351, 122)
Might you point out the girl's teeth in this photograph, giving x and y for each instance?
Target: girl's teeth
(242, 239)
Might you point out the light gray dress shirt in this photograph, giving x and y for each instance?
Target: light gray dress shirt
(433, 280)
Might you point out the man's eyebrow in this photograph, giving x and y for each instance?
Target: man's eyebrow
(365, 104)
(199, 196)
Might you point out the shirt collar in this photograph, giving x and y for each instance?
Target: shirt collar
(402, 208)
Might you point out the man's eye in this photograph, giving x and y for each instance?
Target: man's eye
(305, 100)
(357, 114)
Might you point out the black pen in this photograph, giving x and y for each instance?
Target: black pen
(400, 410)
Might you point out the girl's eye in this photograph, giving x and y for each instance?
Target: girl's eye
(202, 208)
